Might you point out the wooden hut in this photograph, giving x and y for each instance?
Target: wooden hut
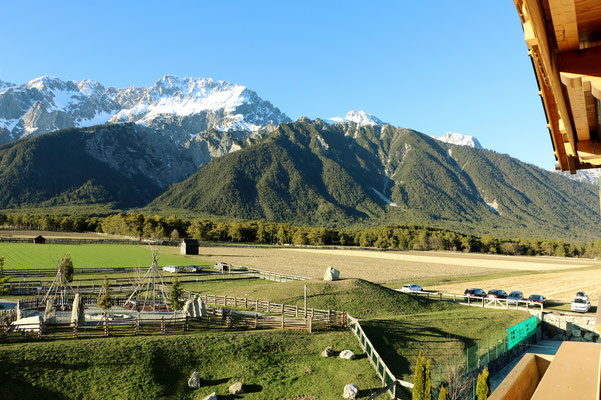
(190, 247)
(39, 239)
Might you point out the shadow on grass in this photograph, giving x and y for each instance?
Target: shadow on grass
(392, 336)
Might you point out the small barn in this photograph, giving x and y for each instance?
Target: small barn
(39, 239)
(190, 247)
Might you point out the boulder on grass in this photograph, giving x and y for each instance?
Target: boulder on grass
(194, 381)
(212, 396)
(331, 274)
(328, 352)
(236, 388)
(347, 355)
(350, 391)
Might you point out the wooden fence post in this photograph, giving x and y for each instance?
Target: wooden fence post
(106, 327)
(256, 321)
(282, 320)
(41, 329)
(136, 326)
(329, 319)
(162, 324)
(311, 325)
(185, 327)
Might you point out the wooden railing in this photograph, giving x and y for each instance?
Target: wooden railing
(384, 373)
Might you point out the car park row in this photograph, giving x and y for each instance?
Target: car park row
(581, 302)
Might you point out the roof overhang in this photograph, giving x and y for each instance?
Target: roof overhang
(564, 42)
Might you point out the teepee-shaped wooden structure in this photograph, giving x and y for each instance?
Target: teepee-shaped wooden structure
(149, 293)
(59, 290)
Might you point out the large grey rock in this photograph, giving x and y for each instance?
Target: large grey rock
(194, 381)
(29, 324)
(328, 352)
(77, 314)
(331, 274)
(212, 396)
(347, 355)
(50, 311)
(195, 307)
(236, 388)
(559, 336)
(350, 391)
(588, 336)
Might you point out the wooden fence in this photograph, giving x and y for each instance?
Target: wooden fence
(387, 377)
(51, 240)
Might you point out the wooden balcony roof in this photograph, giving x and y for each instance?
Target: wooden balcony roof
(564, 42)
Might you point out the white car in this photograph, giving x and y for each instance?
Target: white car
(171, 268)
(412, 288)
(581, 304)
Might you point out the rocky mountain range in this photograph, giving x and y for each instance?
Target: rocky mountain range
(210, 118)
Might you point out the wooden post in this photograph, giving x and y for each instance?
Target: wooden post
(482, 302)
(305, 301)
(312, 312)
(256, 305)
(185, 327)
(136, 326)
(468, 299)
(246, 302)
(256, 321)
(106, 327)
(296, 311)
(329, 319)
(162, 324)
(282, 320)
(454, 298)
(41, 329)
(310, 324)
(269, 306)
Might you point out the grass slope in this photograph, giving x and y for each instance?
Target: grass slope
(359, 298)
(26, 255)
(438, 335)
(275, 365)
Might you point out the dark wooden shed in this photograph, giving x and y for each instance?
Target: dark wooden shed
(190, 247)
(39, 239)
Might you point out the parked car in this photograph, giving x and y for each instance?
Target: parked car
(515, 296)
(171, 268)
(221, 266)
(191, 268)
(581, 304)
(470, 292)
(497, 294)
(412, 287)
(537, 298)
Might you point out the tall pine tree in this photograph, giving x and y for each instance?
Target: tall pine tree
(482, 385)
(419, 386)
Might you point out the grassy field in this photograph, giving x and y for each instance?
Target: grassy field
(274, 365)
(25, 255)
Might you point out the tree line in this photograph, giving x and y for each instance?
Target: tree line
(142, 226)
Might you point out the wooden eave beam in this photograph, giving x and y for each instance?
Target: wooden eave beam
(575, 91)
(582, 62)
(543, 52)
(565, 24)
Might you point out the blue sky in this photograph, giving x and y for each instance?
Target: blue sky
(433, 66)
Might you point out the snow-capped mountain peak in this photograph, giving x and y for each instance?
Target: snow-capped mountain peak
(459, 139)
(359, 117)
(178, 107)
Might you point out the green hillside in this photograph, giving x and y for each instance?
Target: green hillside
(309, 172)
(360, 298)
(57, 169)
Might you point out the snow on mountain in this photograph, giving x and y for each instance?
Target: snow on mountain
(459, 139)
(591, 176)
(178, 107)
(358, 117)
